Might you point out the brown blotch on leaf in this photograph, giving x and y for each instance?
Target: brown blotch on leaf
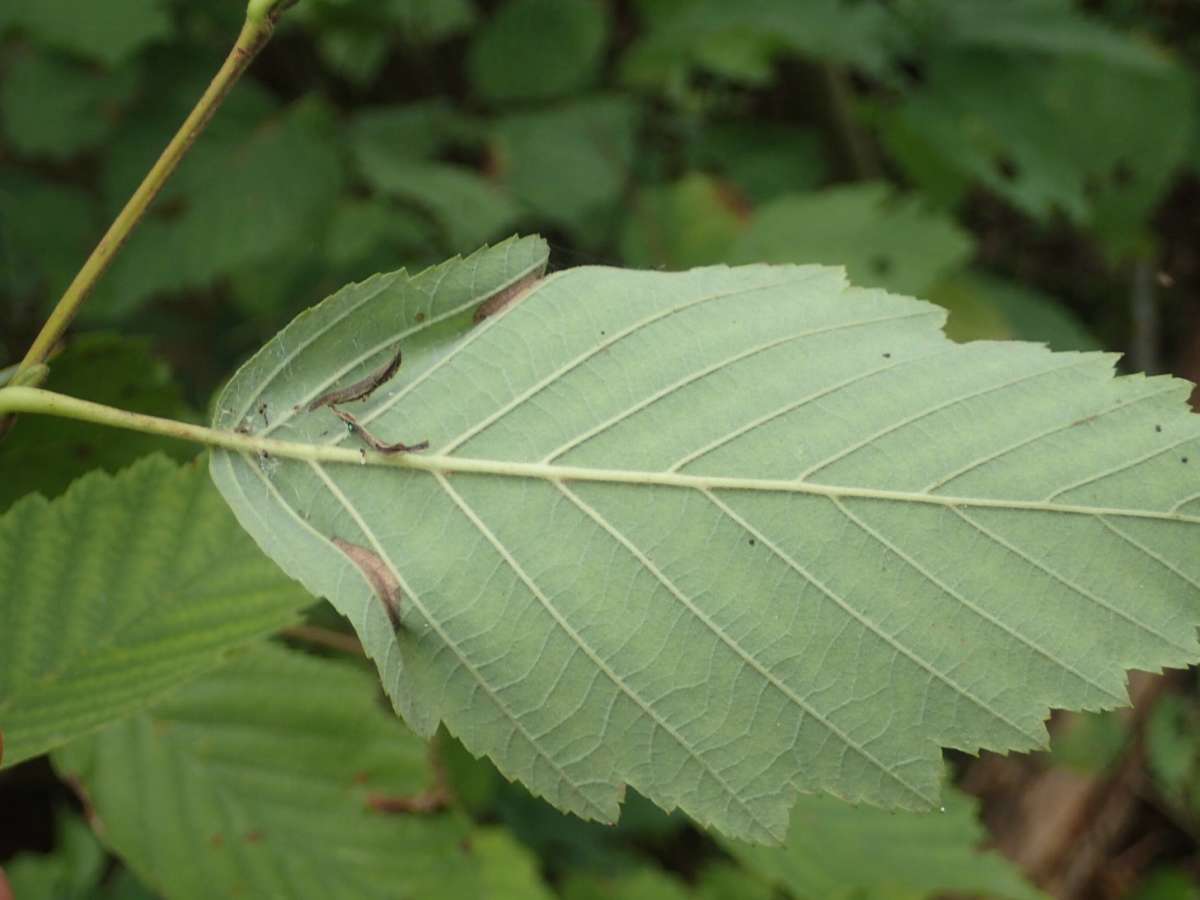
(429, 801)
(501, 300)
(254, 837)
(378, 575)
(375, 443)
(217, 840)
(361, 389)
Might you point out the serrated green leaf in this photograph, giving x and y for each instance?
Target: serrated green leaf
(49, 453)
(723, 535)
(835, 851)
(883, 239)
(108, 31)
(118, 591)
(260, 778)
(538, 49)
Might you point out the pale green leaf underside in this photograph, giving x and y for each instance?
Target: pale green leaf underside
(118, 591)
(725, 534)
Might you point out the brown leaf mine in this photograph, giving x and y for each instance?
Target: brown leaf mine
(378, 575)
(501, 300)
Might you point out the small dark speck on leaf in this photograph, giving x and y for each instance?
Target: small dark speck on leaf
(420, 317)
(881, 265)
(603, 333)
(217, 840)
(1183, 459)
(887, 356)
(1158, 428)
(84, 451)
(254, 837)
(752, 542)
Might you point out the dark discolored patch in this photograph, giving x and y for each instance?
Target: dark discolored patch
(254, 837)
(217, 840)
(1158, 428)
(1007, 168)
(378, 575)
(502, 300)
(881, 265)
(361, 389)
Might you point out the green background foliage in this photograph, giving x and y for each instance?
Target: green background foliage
(1031, 165)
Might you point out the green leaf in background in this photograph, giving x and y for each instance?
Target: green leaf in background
(726, 535)
(742, 40)
(55, 108)
(569, 165)
(118, 591)
(643, 883)
(538, 49)
(692, 222)
(984, 307)
(1166, 884)
(71, 872)
(1097, 142)
(1090, 742)
(724, 881)
(882, 238)
(1173, 751)
(236, 201)
(49, 453)
(46, 231)
(355, 37)
(1056, 27)
(262, 779)
(762, 159)
(378, 136)
(364, 231)
(107, 32)
(835, 851)
(507, 871)
(466, 208)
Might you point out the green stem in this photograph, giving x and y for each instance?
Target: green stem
(260, 22)
(36, 400)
